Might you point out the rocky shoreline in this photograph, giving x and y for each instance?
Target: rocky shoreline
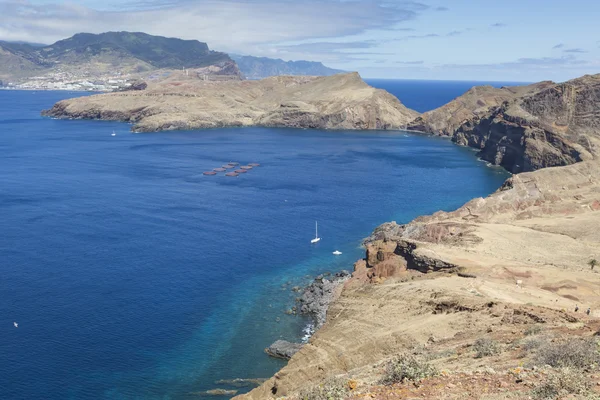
(314, 302)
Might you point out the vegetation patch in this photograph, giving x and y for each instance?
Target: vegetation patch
(407, 368)
(485, 347)
(331, 389)
(575, 353)
(533, 330)
(562, 383)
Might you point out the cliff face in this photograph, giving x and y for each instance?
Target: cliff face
(474, 104)
(186, 102)
(523, 128)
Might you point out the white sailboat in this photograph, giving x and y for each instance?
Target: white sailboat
(113, 134)
(317, 238)
(337, 253)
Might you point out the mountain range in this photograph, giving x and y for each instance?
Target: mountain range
(262, 67)
(134, 54)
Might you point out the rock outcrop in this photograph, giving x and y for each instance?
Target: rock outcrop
(283, 349)
(523, 128)
(342, 101)
(475, 103)
(317, 296)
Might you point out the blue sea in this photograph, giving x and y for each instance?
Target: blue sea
(132, 275)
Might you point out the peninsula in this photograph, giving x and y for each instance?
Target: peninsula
(186, 101)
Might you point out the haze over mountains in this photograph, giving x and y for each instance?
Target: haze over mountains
(262, 67)
(116, 56)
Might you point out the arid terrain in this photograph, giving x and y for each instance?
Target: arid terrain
(341, 101)
(486, 302)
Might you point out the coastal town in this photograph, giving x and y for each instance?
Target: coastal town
(71, 82)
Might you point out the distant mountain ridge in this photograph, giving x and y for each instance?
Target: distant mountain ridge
(101, 61)
(263, 67)
(131, 52)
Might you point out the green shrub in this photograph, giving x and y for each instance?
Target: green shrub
(485, 347)
(331, 389)
(575, 353)
(407, 368)
(562, 383)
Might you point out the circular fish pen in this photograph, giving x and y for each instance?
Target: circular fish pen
(227, 166)
(246, 167)
(233, 163)
(219, 170)
(254, 165)
(240, 171)
(209, 173)
(231, 174)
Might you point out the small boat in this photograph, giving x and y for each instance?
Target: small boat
(317, 238)
(231, 174)
(219, 170)
(15, 324)
(113, 134)
(209, 173)
(240, 171)
(337, 253)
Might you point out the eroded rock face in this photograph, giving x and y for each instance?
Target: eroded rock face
(342, 101)
(472, 105)
(523, 128)
(317, 296)
(283, 349)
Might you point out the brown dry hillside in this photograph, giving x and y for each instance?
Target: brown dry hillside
(342, 101)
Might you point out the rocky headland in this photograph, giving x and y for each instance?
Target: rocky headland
(487, 301)
(522, 128)
(342, 101)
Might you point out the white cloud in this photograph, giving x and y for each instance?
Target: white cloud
(229, 25)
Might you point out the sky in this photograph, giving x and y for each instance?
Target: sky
(508, 40)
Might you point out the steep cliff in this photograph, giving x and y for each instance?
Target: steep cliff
(550, 126)
(476, 102)
(522, 128)
(188, 102)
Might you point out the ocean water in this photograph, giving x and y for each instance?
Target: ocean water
(424, 96)
(133, 276)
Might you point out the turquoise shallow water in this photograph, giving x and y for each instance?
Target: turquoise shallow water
(133, 276)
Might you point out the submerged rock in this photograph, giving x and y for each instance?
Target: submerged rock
(283, 349)
(240, 382)
(218, 392)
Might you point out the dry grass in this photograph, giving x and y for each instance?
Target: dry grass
(331, 389)
(574, 353)
(562, 383)
(407, 368)
(485, 347)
